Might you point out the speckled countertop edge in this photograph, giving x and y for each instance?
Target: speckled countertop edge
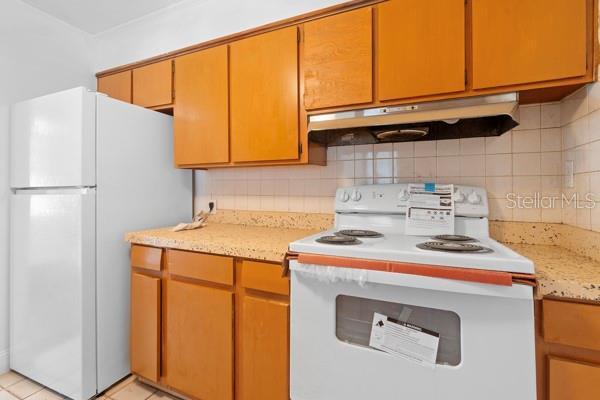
(566, 258)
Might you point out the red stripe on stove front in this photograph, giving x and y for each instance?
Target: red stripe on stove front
(434, 271)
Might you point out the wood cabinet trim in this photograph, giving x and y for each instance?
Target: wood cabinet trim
(298, 19)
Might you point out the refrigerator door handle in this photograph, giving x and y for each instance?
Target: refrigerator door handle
(55, 190)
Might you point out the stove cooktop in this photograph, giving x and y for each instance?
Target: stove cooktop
(404, 248)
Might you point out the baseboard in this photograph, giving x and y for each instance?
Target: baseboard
(4, 361)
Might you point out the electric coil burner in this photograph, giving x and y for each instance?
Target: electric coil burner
(338, 240)
(359, 233)
(454, 238)
(453, 247)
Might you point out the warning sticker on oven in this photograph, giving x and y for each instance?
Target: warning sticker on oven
(430, 209)
(404, 340)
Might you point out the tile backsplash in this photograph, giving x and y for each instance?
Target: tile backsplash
(525, 161)
(580, 120)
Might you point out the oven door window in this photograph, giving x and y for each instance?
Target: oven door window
(354, 317)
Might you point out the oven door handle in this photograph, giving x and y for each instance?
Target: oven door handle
(365, 278)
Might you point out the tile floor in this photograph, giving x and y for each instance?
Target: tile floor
(14, 386)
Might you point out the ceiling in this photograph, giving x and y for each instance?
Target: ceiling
(95, 16)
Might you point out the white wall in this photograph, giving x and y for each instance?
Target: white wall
(191, 22)
(39, 55)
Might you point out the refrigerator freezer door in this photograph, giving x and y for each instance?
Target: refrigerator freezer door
(53, 140)
(52, 308)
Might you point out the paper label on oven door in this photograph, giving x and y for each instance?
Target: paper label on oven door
(405, 340)
(430, 209)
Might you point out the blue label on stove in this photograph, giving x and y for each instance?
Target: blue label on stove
(430, 187)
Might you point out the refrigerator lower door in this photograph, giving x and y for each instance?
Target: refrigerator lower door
(52, 309)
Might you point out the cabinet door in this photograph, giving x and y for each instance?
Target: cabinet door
(199, 340)
(523, 41)
(571, 380)
(153, 84)
(337, 60)
(264, 97)
(421, 48)
(201, 122)
(145, 326)
(117, 86)
(264, 351)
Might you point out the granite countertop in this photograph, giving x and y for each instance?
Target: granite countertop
(244, 241)
(562, 272)
(265, 236)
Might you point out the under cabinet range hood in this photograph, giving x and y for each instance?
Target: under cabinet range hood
(446, 119)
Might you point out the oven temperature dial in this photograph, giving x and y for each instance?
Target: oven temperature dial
(355, 196)
(474, 198)
(403, 195)
(459, 196)
(344, 196)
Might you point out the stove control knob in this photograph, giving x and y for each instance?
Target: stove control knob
(403, 195)
(459, 196)
(474, 198)
(355, 196)
(344, 196)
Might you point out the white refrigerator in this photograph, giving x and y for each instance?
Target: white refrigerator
(85, 169)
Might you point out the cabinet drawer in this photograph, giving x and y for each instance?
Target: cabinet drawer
(206, 267)
(265, 277)
(146, 257)
(572, 324)
(570, 380)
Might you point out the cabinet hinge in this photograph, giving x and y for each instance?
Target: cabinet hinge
(299, 148)
(173, 80)
(299, 35)
(466, 78)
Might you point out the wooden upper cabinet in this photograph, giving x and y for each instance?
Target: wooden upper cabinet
(264, 97)
(201, 122)
(117, 86)
(337, 60)
(264, 352)
(198, 340)
(145, 326)
(421, 48)
(572, 380)
(524, 41)
(153, 84)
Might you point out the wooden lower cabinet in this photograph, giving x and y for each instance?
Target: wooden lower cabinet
(568, 349)
(571, 380)
(210, 327)
(263, 346)
(145, 326)
(198, 338)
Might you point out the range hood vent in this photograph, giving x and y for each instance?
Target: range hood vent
(448, 119)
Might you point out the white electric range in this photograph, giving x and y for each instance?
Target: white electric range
(486, 331)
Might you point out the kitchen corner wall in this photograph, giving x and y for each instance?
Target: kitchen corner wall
(524, 161)
(40, 55)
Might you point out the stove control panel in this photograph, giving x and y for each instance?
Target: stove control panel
(469, 201)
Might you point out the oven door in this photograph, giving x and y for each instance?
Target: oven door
(486, 348)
